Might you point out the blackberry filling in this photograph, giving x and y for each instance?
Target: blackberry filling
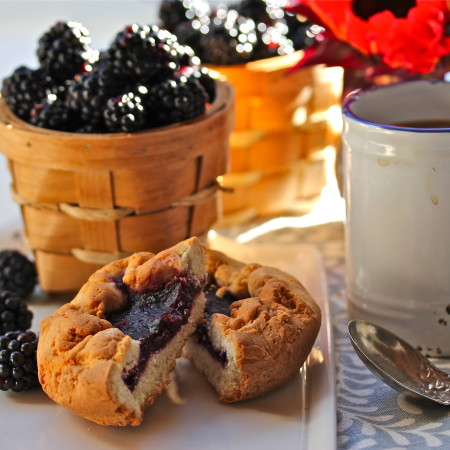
(153, 318)
(214, 304)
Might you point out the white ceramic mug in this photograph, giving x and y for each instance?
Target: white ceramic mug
(397, 191)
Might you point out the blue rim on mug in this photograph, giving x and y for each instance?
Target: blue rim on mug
(354, 95)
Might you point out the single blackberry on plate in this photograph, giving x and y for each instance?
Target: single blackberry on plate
(142, 54)
(175, 100)
(18, 366)
(88, 94)
(17, 273)
(64, 50)
(14, 313)
(174, 12)
(125, 114)
(203, 76)
(231, 39)
(53, 113)
(24, 88)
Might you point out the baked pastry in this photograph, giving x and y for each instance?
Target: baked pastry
(109, 352)
(260, 325)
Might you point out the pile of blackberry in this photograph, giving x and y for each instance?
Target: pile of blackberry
(18, 367)
(14, 312)
(237, 33)
(78, 89)
(17, 273)
(18, 344)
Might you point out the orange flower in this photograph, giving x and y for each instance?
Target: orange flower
(413, 38)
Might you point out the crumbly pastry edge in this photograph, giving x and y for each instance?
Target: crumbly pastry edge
(269, 335)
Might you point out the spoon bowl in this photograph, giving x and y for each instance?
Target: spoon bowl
(397, 363)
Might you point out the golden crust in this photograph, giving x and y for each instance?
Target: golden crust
(81, 356)
(232, 275)
(270, 331)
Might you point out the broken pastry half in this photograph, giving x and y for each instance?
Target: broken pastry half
(108, 353)
(259, 327)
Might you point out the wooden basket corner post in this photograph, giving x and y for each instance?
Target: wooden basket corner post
(89, 199)
(282, 123)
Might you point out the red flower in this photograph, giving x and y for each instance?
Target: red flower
(415, 39)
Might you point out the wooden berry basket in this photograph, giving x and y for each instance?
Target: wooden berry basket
(282, 124)
(88, 199)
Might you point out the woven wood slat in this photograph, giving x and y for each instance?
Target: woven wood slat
(276, 129)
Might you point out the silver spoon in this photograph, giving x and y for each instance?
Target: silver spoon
(397, 363)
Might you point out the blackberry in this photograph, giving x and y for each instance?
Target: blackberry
(17, 273)
(88, 94)
(59, 91)
(64, 50)
(268, 12)
(175, 100)
(24, 88)
(190, 33)
(124, 114)
(186, 56)
(258, 10)
(142, 54)
(174, 12)
(203, 76)
(299, 32)
(14, 313)
(90, 128)
(273, 41)
(276, 28)
(231, 39)
(18, 366)
(52, 113)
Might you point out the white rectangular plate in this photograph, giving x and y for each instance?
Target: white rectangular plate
(299, 415)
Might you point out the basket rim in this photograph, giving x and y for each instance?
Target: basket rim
(273, 64)
(24, 143)
(225, 93)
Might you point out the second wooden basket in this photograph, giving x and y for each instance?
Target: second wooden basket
(284, 119)
(89, 199)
